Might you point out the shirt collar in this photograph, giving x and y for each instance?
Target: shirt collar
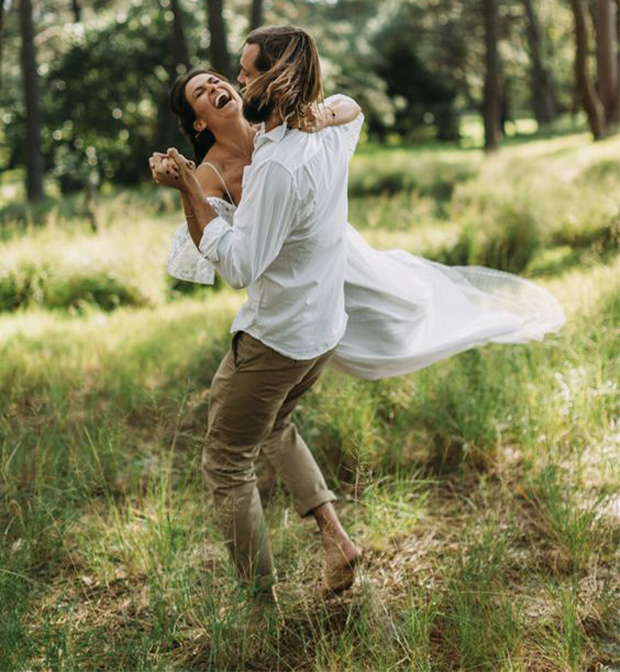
(274, 135)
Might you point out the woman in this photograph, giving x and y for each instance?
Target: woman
(405, 312)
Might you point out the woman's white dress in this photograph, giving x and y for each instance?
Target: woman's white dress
(406, 312)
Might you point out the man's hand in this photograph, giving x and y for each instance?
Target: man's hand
(165, 171)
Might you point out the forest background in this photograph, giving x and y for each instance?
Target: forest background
(484, 489)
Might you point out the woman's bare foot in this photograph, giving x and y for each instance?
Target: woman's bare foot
(341, 555)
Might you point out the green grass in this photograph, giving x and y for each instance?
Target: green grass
(483, 489)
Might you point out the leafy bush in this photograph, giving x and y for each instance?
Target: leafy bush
(508, 244)
(101, 118)
(98, 288)
(427, 91)
(29, 284)
(434, 178)
(597, 223)
(22, 285)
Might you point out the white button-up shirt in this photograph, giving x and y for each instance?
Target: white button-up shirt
(288, 241)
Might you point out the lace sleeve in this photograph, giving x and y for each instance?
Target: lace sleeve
(185, 261)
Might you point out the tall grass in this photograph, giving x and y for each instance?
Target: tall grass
(483, 489)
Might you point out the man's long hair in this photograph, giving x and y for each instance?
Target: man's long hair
(290, 78)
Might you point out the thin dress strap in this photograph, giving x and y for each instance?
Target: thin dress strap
(222, 180)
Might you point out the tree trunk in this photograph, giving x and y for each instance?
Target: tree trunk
(618, 58)
(492, 97)
(589, 97)
(167, 134)
(1, 37)
(77, 11)
(543, 90)
(179, 49)
(256, 15)
(220, 58)
(607, 63)
(505, 105)
(34, 157)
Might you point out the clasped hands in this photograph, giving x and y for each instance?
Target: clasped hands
(172, 169)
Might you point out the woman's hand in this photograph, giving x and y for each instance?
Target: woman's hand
(316, 118)
(341, 111)
(165, 171)
(185, 174)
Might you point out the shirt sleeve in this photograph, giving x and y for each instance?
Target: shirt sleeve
(262, 222)
(347, 135)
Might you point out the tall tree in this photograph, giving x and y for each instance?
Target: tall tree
(1, 37)
(492, 94)
(34, 157)
(77, 10)
(179, 46)
(256, 14)
(178, 55)
(607, 60)
(543, 89)
(220, 57)
(589, 97)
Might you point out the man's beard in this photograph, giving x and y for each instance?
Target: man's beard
(256, 111)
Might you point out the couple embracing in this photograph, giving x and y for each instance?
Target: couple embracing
(266, 207)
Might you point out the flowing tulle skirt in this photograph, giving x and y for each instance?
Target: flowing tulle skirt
(406, 312)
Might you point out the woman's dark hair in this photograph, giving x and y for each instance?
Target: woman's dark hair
(201, 141)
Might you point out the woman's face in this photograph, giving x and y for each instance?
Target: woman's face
(212, 99)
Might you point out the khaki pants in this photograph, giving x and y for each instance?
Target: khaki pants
(253, 394)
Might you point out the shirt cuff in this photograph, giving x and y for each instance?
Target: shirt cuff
(211, 237)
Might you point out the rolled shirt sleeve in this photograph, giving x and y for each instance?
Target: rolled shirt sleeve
(262, 222)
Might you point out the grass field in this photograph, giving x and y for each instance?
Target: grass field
(484, 489)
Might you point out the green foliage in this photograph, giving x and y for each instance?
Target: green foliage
(29, 285)
(510, 243)
(572, 520)
(430, 177)
(483, 488)
(426, 98)
(103, 98)
(482, 625)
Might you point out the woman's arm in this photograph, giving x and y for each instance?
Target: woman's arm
(339, 112)
(210, 186)
(187, 208)
(166, 173)
(343, 111)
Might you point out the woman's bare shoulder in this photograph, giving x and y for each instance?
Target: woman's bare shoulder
(209, 179)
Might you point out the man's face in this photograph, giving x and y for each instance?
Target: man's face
(256, 110)
(248, 71)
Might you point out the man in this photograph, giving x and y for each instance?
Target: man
(287, 247)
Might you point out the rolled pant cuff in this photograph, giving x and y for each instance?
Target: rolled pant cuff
(305, 506)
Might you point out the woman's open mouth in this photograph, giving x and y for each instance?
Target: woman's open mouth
(222, 99)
